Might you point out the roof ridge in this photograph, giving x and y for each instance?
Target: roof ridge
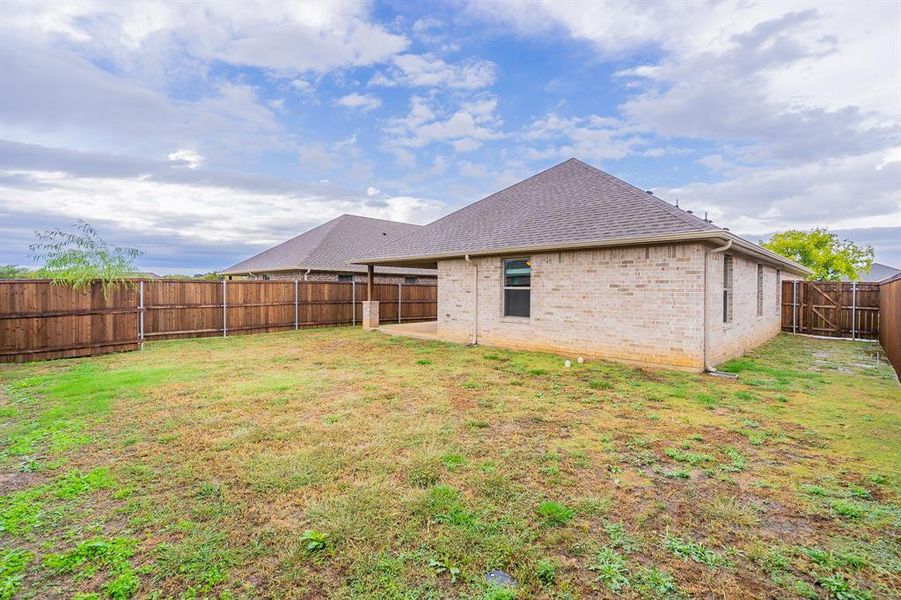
(373, 219)
(657, 203)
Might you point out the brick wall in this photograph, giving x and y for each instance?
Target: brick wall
(746, 329)
(640, 304)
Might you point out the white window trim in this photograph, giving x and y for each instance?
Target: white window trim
(504, 315)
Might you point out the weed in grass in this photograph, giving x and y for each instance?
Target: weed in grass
(12, 570)
(746, 396)
(688, 549)
(739, 460)
(442, 566)
(20, 512)
(692, 458)
(537, 372)
(619, 538)
(831, 560)
(314, 541)
(846, 508)
(597, 384)
(74, 484)
(555, 514)
(471, 385)
(93, 556)
(841, 588)
(651, 581)
(423, 361)
(611, 569)
(546, 571)
(477, 424)
(859, 492)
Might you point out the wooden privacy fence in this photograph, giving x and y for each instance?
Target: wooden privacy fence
(39, 320)
(890, 323)
(846, 309)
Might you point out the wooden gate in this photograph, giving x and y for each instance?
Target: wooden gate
(846, 309)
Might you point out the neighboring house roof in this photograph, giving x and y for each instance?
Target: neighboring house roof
(877, 272)
(329, 247)
(570, 205)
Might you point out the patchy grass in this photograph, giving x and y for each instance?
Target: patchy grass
(346, 464)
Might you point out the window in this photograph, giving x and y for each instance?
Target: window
(517, 287)
(410, 280)
(345, 278)
(759, 290)
(727, 289)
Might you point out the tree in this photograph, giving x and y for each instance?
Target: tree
(14, 272)
(81, 257)
(829, 257)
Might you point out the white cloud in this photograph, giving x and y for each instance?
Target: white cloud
(465, 129)
(829, 192)
(364, 102)
(592, 138)
(191, 159)
(426, 70)
(372, 191)
(286, 37)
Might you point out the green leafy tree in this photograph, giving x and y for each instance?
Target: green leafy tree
(80, 257)
(829, 257)
(14, 272)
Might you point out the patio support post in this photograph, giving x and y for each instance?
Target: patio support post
(370, 307)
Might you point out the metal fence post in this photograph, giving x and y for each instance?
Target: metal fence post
(295, 306)
(399, 294)
(853, 310)
(353, 301)
(141, 315)
(224, 312)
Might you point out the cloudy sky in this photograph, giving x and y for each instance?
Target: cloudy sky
(203, 133)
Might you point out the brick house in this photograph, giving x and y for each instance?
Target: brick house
(576, 261)
(322, 254)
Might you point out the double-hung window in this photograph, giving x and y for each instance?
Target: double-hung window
(517, 287)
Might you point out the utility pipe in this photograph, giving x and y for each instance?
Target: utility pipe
(305, 275)
(475, 312)
(707, 366)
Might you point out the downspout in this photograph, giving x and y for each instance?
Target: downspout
(707, 366)
(475, 313)
(305, 275)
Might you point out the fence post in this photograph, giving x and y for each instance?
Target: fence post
(295, 305)
(794, 306)
(141, 315)
(853, 310)
(224, 312)
(399, 294)
(353, 301)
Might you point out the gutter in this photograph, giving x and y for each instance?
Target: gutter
(707, 366)
(475, 312)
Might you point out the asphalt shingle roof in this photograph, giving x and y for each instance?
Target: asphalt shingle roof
(570, 203)
(330, 246)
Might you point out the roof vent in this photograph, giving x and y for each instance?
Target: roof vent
(691, 212)
(650, 192)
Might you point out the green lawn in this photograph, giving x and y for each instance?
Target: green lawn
(339, 463)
